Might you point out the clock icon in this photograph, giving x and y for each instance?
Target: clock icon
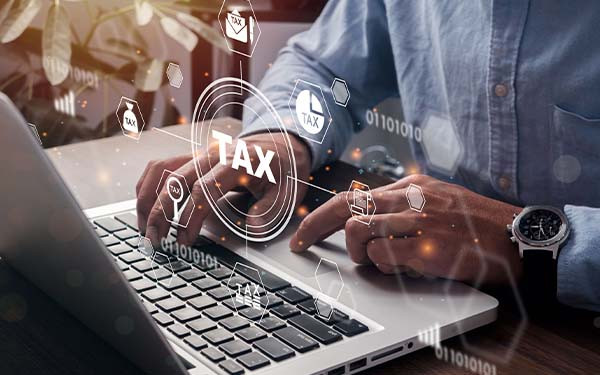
(309, 111)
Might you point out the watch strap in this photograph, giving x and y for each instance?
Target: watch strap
(539, 277)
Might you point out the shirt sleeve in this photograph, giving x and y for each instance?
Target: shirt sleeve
(350, 41)
(579, 260)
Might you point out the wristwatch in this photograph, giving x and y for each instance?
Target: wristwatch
(540, 231)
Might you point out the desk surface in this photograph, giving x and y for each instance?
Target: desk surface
(37, 336)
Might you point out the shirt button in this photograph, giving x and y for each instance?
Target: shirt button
(504, 183)
(501, 90)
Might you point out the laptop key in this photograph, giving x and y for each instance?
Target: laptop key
(206, 284)
(235, 348)
(253, 314)
(186, 314)
(274, 349)
(132, 275)
(187, 292)
(308, 306)
(101, 232)
(296, 339)
(321, 332)
(162, 319)
(126, 234)
(122, 265)
(235, 280)
(270, 301)
(334, 317)
(155, 294)
(285, 311)
(253, 361)
(234, 304)
(202, 302)
(218, 312)
(143, 265)
(161, 259)
(220, 293)
(196, 342)
(293, 295)
(271, 324)
(271, 282)
(142, 285)
(251, 334)
(234, 323)
(350, 327)
(132, 257)
(109, 224)
(150, 307)
(213, 354)
(191, 275)
(119, 249)
(128, 219)
(201, 325)
(156, 274)
(172, 283)
(170, 304)
(178, 266)
(231, 367)
(110, 241)
(220, 273)
(178, 330)
(217, 336)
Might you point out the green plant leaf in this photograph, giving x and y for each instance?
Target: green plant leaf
(5, 8)
(203, 29)
(143, 12)
(18, 18)
(56, 45)
(149, 75)
(179, 33)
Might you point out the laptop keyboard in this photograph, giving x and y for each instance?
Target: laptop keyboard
(193, 302)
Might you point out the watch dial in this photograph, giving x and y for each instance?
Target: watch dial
(540, 225)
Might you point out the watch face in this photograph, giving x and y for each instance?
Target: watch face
(540, 225)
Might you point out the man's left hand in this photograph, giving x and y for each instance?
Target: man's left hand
(455, 225)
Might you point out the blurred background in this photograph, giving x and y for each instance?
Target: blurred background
(67, 64)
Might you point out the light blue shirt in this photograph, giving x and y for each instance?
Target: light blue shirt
(518, 80)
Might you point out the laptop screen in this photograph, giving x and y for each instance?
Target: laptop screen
(67, 66)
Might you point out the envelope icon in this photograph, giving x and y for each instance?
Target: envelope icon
(236, 27)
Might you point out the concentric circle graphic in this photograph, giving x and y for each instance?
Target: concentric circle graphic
(218, 96)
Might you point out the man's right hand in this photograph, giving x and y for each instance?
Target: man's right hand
(223, 178)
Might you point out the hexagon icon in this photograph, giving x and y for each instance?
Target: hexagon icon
(179, 196)
(130, 118)
(249, 295)
(360, 202)
(340, 91)
(415, 197)
(145, 246)
(240, 26)
(441, 144)
(174, 75)
(332, 282)
(309, 111)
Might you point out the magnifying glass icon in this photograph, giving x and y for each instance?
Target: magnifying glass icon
(175, 191)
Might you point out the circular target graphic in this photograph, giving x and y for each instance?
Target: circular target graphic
(213, 103)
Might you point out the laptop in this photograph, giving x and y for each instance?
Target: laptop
(176, 310)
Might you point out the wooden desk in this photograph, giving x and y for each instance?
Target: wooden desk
(38, 337)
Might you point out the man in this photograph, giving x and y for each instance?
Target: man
(518, 80)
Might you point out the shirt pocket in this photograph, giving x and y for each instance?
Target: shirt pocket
(575, 152)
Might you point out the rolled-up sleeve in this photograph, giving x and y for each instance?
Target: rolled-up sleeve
(579, 260)
(349, 41)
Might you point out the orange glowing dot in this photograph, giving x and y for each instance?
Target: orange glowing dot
(419, 232)
(427, 248)
(327, 168)
(310, 178)
(223, 238)
(356, 154)
(199, 206)
(206, 74)
(243, 180)
(182, 120)
(334, 191)
(375, 109)
(391, 237)
(424, 214)
(218, 184)
(172, 100)
(239, 223)
(300, 243)
(44, 134)
(476, 240)
(138, 51)
(302, 211)
(330, 151)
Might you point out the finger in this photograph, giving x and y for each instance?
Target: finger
(392, 225)
(256, 213)
(150, 183)
(220, 180)
(328, 218)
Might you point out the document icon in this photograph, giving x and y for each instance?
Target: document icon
(237, 28)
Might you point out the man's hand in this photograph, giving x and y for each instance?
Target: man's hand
(223, 178)
(456, 225)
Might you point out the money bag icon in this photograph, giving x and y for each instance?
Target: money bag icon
(130, 122)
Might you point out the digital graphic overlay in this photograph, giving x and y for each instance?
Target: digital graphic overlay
(309, 111)
(247, 293)
(35, 132)
(130, 118)
(335, 285)
(361, 202)
(275, 163)
(174, 75)
(180, 196)
(415, 198)
(240, 26)
(340, 92)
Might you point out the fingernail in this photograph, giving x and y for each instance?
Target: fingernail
(152, 235)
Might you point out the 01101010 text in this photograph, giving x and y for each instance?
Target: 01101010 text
(189, 254)
(393, 125)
